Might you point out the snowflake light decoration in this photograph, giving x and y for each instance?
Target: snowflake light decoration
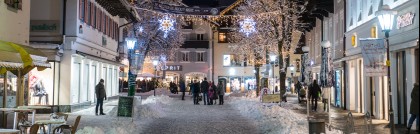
(247, 26)
(166, 24)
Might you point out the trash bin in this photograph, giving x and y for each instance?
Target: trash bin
(316, 126)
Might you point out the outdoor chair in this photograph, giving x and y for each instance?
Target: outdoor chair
(72, 129)
(34, 129)
(23, 123)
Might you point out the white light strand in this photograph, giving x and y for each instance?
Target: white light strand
(247, 26)
(166, 24)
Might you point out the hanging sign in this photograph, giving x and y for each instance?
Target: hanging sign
(184, 10)
(373, 52)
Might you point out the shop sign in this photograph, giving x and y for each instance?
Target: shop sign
(45, 26)
(373, 52)
(174, 68)
(405, 20)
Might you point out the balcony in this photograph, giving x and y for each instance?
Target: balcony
(196, 44)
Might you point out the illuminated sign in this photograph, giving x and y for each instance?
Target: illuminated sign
(354, 41)
(226, 60)
(405, 20)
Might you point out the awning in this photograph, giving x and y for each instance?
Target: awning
(14, 56)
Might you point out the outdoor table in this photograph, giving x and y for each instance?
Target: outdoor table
(16, 111)
(34, 108)
(9, 131)
(49, 122)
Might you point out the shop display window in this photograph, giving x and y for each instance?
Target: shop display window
(8, 83)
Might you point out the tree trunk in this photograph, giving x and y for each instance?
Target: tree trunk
(257, 78)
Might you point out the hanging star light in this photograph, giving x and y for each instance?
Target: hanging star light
(247, 26)
(166, 25)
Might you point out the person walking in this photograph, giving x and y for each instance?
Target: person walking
(196, 90)
(100, 96)
(298, 87)
(205, 89)
(215, 95)
(221, 92)
(315, 90)
(211, 93)
(414, 108)
(182, 87)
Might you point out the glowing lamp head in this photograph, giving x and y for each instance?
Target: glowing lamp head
(386, 17)
(131, 42)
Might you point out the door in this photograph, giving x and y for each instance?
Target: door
(337, 97)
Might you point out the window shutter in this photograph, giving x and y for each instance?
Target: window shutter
(104, 23)
(205, 56)
(97, 18)
(92, 14)
(192, 57)
(86, 17)
(81, 9)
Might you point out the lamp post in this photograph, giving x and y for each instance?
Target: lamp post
(131, 42)
(155, 63)
(386, 20)
(305, 50)
(272, 59)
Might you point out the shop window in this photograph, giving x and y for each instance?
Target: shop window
(8, 81)
(231, 60)
(222, 37)
(200, 56)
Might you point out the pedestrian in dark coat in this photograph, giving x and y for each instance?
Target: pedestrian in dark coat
(414, 107)
(182, 87)
(221, 92)
(315, 90)
(196, 91)
(205, 89)
(100, 96)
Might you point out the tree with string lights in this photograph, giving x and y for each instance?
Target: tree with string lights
(274, 21)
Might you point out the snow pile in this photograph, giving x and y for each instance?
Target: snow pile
(90, 130)
(159, 91)
(271, 118)
(152, 107)
(291, 106)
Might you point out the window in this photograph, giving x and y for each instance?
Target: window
(200, 36)
(200, 56)
(231, 60)
(373, 33)
(97, 18)
(222, 38)
(185, 56)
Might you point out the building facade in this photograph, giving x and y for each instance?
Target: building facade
(81, 40)
(192, 60)
(370, 94)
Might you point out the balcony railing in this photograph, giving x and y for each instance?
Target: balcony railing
(196, 44)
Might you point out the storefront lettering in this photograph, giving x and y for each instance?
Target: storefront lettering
(405, 20)
(44, 26)
(174, 68)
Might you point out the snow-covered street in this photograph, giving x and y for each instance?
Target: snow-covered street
(163, 114)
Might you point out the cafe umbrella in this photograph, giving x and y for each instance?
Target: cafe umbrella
(19, 60)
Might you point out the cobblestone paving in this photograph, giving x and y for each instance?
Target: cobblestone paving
(186, 118)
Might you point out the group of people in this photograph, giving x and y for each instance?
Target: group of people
(315, 93)
(210, 92)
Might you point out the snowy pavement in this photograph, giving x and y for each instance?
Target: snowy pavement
(163, 114)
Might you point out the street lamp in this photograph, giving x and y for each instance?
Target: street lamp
(273, 59)
(155, 63)
(386, 20)
(131, 42)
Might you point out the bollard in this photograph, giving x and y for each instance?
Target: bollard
(316, 126)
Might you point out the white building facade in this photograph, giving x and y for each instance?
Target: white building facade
(370, 94)
(81, 40)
